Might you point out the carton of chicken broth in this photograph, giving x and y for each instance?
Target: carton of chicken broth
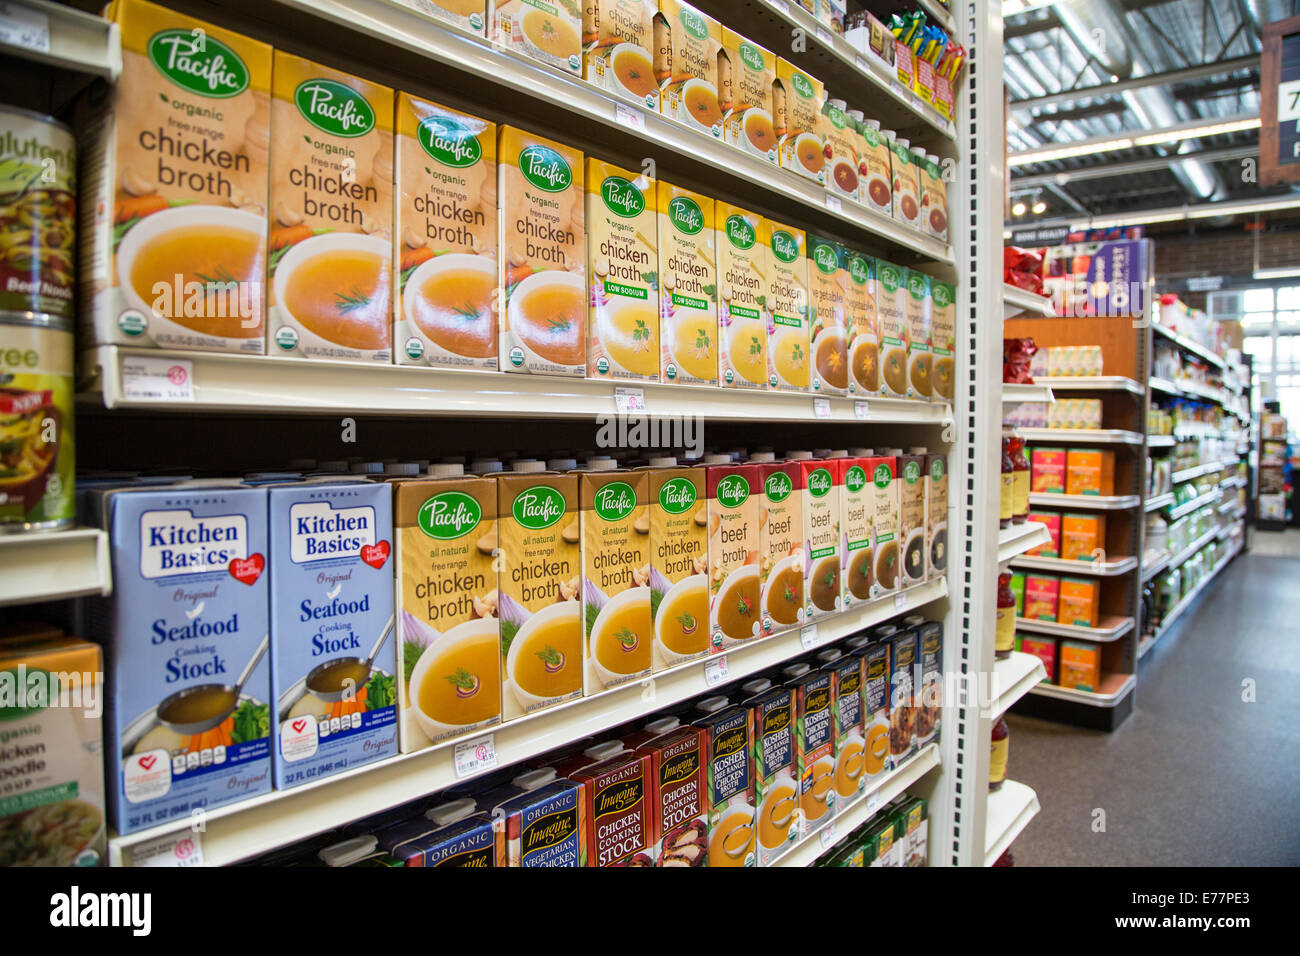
(687, 43)
(679, 564)
(688, 290)
(176, 197)
(617, 48)
(469, 15)
(742, 239)
(787, 304)
(329, 269)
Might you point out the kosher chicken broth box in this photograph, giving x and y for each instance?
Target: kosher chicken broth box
(773, 717)
(176, 198)
(729, 782)
(185, 633)
(333, 654)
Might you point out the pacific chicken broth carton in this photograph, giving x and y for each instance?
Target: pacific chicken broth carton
(470, 15)
(787, 305)
(781, 559)
(735, 534)
(329, 272)
(618, 49)
(797, 101)
(885, 504)
(688, 287)
(936, 521)
(746, 72)
(743, 270)
(333, 658)
(892, 319)
(827, 315)
(728, 752)
(943, 339)
(679, 564)
(773, 718)
(687, 47)
(856, 530)
(860, 316)
(821, 529)
(542, 30)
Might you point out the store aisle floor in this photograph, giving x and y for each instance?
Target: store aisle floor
(1196, 776)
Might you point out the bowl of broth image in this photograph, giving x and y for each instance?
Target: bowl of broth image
(941, 376)
(206, 245)
(337, 287)
(939, 549)
(734, 611)
(783, 593)
(694, 342)
(895, 370)
(845, 176)
(634, 70)
(824, 583)
(811, 152)
(701, 99)
(53, 834)
(920, 374)
(914, 555)
(790, 356)
(876, 748)
(548, 317)
(552, 36)
(628, 330)
(887, 565)
(817, 801)
(857, 575)
(732, 840)
(879, 191)
(682, 623)
(544, 663)
(621, 645)
(747, 345)
(778, 812)
(448, 305)
(864, 360)
(758, 130)
(829, 354)
(850, 764)
(456, 682)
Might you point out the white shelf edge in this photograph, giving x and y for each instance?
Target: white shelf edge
(1161, 441)
(1188, 345)
(1091, 383)
(1190, 551)
(78, 41)
(1149, 571)
(1086, 697)
(1106, 569)
(1196, 504)
(1013, 393)
(1158, 502)
(1017, 301)
(1085, 502)
(1009, 811)
(1101, 635)
(1020, 538)
(53, 565)
(1015, 675)
(1092, 436)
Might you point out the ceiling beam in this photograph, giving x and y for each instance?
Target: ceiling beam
(1166, 78)
(1114, 170)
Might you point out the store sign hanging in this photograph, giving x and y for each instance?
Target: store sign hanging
(1279, 107)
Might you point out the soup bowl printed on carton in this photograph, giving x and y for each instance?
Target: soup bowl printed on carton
(746, 72)
(729, 783)
(858, 544)
(787, 306)
(797, 104)
(823, 583)
(618, 49)
(920, 361)
(679, 564)
(688, 287)
(828, 315)
(549, 32)
(687, 44)
(734, 541)
(470, 15)
(839, 133)
(860, 315)
(781, 592)
(776, 784)
(892, 318)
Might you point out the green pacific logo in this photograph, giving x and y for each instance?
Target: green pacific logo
(545, 169)
(855, 479)
(694, 24)
(621, 197)
(733, 491)
(882, 476)
(449, 142)
(803, 86)
(912, 472)
(538, 507)
(752, 57)
(785, 246)
(450, 515)
(916, 285)
(778, 487)
(198, 63)
(942, 293)
(677, 496)
(334, 108)
(859, 271)
(937, 469)
(826, 259)
(615, 501)
(819, 483)
(740, 233)
(686, 215)
(891, 277)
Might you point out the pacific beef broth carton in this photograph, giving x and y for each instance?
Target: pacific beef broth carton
(856, 530)
(885, 504)
(618, 810)
(539, 602)
(445, 238)
(542, 252)
(176, 199)
(892, 319)
(919, 360)
(735, 534)
(679, 564)
(677, 798)
(743, 270)
(936, 521)
(912, 514)
(729, 793)
(943, 339)
(545, 31)
(618, 48)
(623, 324)
(688, 287)
(821, 530)
(797, 105)
(686, 54)
(787, 305)
(619, 639)
(814, 746)
(447, 592)
(746, 72)
(776, 785)
(781, 561)
(186, 635)
(329, 269)
(827, 315)
(860, 316)
(333, 658)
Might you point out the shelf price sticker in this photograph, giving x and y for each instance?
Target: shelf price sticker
(833, 203)
(826, 37)
(633, 119)
(861, 410)
(873, 803)
(828, 835)
(821, 408)
(172, 849)
(23, 27)
(629, 401)
(715, 671)
(147, 378)
(475, 756)
(861, 62)
(900, 600)
(809, 636)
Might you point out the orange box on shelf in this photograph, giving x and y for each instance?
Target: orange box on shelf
(1052, 521)
(1090, 471)
(1078, 601)
(1080, 665)
(1082, 536)
(1048, 470)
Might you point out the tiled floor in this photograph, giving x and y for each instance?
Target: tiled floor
(1206, 771)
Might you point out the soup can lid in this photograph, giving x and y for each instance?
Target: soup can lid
(348, 851)
(663, 461)
(446, 469)
(445, 814)
(533, 779)
(528, 465)
(562, 464)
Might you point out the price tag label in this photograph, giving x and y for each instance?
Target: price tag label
(825, 36)
(633, 119)
(900, 600)
(822, 407)
(629, 401)
(860, 409)
(157, 379)
(173, 849)
(898, 88)
(780, 6)
(828, 835)
(715, 671)
(21, 26)
(833, 203)
(809, 637)
(862, 63)
(873, 802)
(475, 756)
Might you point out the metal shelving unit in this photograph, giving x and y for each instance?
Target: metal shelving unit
(1019, 538)
(1046, 499)
(62, 37)
(1017, 301)
(1010, 810)
(1084, 436)
(1145, 645)
(1093, 383)
(1014, 676)
(1101, 569)
(1107, 629)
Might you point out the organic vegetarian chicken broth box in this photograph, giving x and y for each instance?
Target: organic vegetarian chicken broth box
(746, 72)
(827, 300)
(886, 499)
(821, 530)
(618, 809)
(447, 620)
(743, 316)
(735, 532)
(856, 531)
(623, 277)
(615, 578)
(729, 785)
(686, 48)
(943, 339)
(891, 318)
(445, 238)
(936, 520)
(173, 208)
(797, 101)
(542, 256)
(860, 314)
(541, 821)
(815, 749)
(688, 287)
(333, 654)
(677, 798)
(787, 306)
(912, 514)
(618, 48)
(186, 636)
(540, 598)
(549, 31)
(679, 564)
(471, 15)
(776, 785)
(329, 270)
(781, 546)
(920, 362)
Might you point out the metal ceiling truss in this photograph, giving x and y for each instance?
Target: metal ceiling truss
(1165, 78)
(1128, 168)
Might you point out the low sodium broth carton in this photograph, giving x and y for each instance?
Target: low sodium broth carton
(735, 534)
(841, 139)
(797, 100)
(679, 564)
(547, 32)
(618, 49)
(781, 548)
(619, 640)
(471, 15)
(827, 315)
(891, 316)
(856, 531)
(920, 362)
(677, 798)
(623, 262)
(787, 304)
(688, 287)
(936, 521)
(860, 316)
(173, 209)
(686, 54)
(333, 658)
(329, 272)
(447, 593)
(729, 781)
(540, 821)
(850, 726)
(445, 238)
(776, 785)
(943, 339)
(542, 256)
(886, 500)
(821, 529)
(539, 603)
(619, 814)
(743, 270)
(746, 72)
(815, 747)
(186, 636)
(912, 514)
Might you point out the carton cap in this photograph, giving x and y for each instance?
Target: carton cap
(367, 468)
(894, 452)
(602, 464)
(663, 725)
(792, 671)
(918, 450)
(711, 705)
(828, 655)
(527, 465)
(446, 469)
(663, 461)
(933, 157)
(905, 143)
(857, 641)
(839, 453)
(604, 750)
(533, 779)
(445, 814)
(914, 620)
(838, 103)
(883, 631)
(562, 464)
(763, 456)
(348, 851)
(798, 455)
(858, 115)
(861, 452)
(873, 123)
(889, 134)
(756, 686)
(486, 466)
(332, 466)
(717, 459)
(403, 469)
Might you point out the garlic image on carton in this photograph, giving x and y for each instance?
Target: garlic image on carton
(751, 120)
(173, 209)
(688, 287)
(828, 303)
(445, 238)
(617, 45)
(542, 255)
(623, 283)
(329, 269)
(860, 314)
(743, 268)
(687, 47)
(787, 304)
(549, 31)
(797, 101)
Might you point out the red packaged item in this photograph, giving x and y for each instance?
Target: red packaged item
(1016, 354)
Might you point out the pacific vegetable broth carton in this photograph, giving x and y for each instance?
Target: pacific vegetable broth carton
(920, 362)
(827, 315)
(943, 339)
(891, 316)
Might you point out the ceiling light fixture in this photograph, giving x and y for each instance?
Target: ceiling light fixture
(1178, 134)
(1067, 152)
(1012, 7)
(1177, 214)
(1039, 208)
(1102, 144)
(1018, 209)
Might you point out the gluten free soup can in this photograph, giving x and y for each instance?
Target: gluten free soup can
(37, 213)
(36, 433)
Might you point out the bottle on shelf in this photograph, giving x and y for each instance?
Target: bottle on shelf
(1000, 744)
(1020, 479)
(1006, 618)
(1008, 496)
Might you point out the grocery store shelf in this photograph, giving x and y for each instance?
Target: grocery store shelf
(1239, 513)
(1020, 538)
(1013, 393)
(1100, 569)
(1091, 436)
(1189, 474)
(1017, 301)
(1151, 568)
(1092, 383)
(1236, 481)
(1164, 386)
(1228, 504)
(224, 382)
(1158, 502)
(1108, 629)
(1048, 499)
(940, 16)
(1184, 603)
(275, 819)
(1161, 441)
(1188, 345)
(1225, 531)
(1189, 430)
(1013, 676)
(53, 565)
(1009, 811)
(1114, 688)
(1196, 504)
(1191, 549)
(58, 35)
(862, 809)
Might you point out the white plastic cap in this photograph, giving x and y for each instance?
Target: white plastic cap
(663, 461)
(403, 469)
(604, 750)
(446, 469)
(349, 851)
(799, 455)
(873, 123)
(445, 814)
(857, 641)
(905, 143)
(602, 464)
(486, 466)
(795, 670)
(756, 686)
(839, 453)
(828, 655)
(918, 451)
(889, 134)
(527, 466)
(761, 457)
(562, 464)
(368, 468)
(663, 725)
(711, 705)
(838, 103)
(858, 115)
(717, 459)
(533, 779)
